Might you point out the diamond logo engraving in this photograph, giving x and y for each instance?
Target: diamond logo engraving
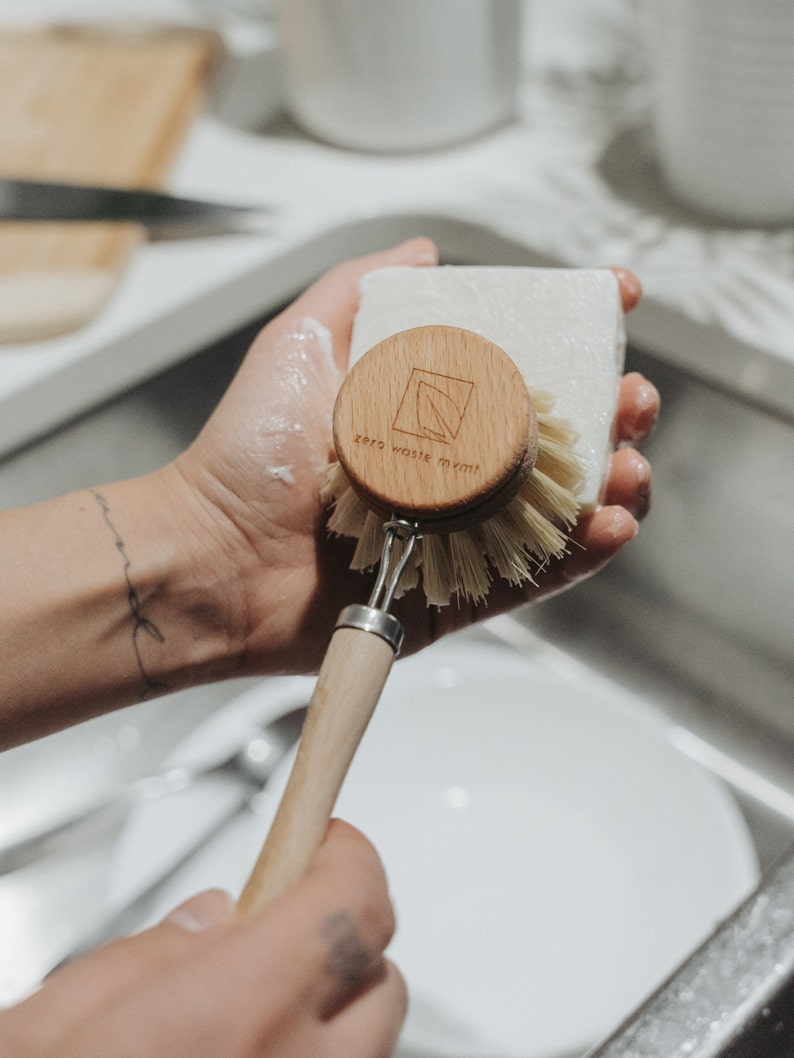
(433, 406)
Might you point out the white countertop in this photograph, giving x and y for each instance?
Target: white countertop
(570, 181)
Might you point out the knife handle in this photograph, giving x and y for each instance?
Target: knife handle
(353, 673)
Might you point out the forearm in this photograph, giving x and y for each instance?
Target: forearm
(106, 598)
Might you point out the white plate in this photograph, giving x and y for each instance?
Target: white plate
(551, 856)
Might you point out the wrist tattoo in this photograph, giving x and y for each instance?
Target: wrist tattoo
(141, 625)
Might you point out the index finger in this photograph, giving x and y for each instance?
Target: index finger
(334, 298)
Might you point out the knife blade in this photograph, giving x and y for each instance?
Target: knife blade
(160, 213)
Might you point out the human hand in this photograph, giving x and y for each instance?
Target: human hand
(219, 565)
(307, 977)
(257, 466)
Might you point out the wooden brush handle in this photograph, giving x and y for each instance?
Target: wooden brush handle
(349, 685)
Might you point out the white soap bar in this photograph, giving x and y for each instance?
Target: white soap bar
(562, 327)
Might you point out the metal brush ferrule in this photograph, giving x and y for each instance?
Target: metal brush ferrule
(379, 623)
(375, 616)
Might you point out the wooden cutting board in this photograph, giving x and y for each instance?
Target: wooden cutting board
(106, 105)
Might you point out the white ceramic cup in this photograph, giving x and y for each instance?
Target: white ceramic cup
(400, 75)
(723, 82)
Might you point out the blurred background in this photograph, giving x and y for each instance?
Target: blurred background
(653, 135)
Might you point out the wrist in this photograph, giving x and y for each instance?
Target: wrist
(193, 582)
(110, 595)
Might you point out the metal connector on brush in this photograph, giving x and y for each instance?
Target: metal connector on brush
(375, 616)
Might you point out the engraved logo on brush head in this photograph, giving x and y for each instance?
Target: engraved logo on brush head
(433, 406)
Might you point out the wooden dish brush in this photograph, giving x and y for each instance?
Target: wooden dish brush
(446, 466)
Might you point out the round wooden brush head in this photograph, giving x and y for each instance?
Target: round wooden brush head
(435, 424)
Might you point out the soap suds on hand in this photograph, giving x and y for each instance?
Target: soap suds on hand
(306, 380)
(285, 474)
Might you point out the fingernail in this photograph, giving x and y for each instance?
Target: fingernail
(646, 401)
(428, 256)
(624, 524)
(202, 911)
(648, 397)
(630, 288)
(642, 491)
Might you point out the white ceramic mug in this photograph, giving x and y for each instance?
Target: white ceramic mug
(400, 75)
(723, 81)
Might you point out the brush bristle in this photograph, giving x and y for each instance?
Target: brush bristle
(349, 512)
(516, 542)
(551, 499)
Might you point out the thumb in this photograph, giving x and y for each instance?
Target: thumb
(82, 990)
(202, 911)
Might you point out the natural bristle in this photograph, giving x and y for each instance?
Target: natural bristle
(514, 543)
(542, 400)
(349, 512)
(510, 558)
(370, 543)
(551, 499)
